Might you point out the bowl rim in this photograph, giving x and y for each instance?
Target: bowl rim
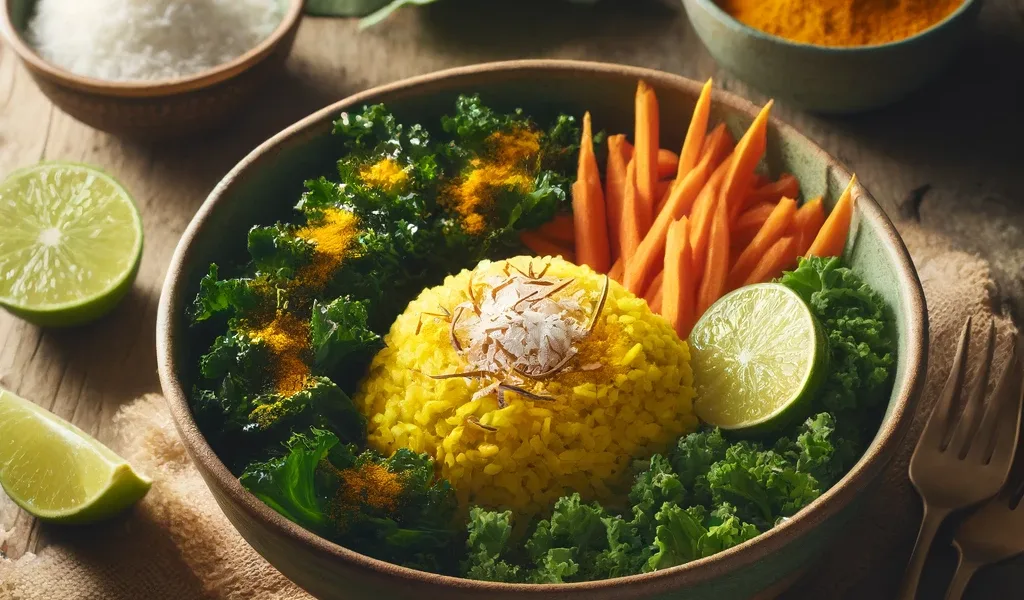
(146, 88)
(831, 502)
(711, 6)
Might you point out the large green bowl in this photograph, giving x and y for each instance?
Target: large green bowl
(830, 79)
(266, 184)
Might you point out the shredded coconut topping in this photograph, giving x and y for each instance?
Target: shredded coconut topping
(522, 324)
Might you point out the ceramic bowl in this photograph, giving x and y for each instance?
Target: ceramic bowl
(153, 109)
(264, 186)
(830, 79)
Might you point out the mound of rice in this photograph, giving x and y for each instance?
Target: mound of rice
(625, 394)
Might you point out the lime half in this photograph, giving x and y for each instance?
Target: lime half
(56, 471)
(758, 357)
(70, 243)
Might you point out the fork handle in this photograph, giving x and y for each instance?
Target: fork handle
(964, 571)
(930, 522)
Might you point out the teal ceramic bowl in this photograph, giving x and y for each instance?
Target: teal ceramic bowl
(830, 79)
(263, 187)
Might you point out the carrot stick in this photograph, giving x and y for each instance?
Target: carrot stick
(716, 147)
(787, 186)
(806, 224)
(560, 229)
(831, 239)
(701, 216)
(696, 133)
(589, 217)
(719, 144)
(749, 151)
(646, 153)
(633, 215)
(619, 153)
(616, 271)
(661, 191)
(712, 284)
(749, 223)
(542, 246)
(781, 256)
(643, 264)
(776, 226)
(653, 295)
(677, 289)
(667, 163)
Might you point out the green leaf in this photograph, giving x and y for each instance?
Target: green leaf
(235, 296)
(276, 250)
(489, 533)
(288, 483)
(653, 488)
(341, 337)
(677, 538)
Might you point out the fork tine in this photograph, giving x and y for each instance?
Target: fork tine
(996, 409)
(964, 431)
(938, 422)
(1009, 393)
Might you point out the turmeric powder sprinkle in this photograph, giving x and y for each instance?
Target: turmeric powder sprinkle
(287, 337)
(385, 174)
(370, 484)
(333, 236)
(505, 165)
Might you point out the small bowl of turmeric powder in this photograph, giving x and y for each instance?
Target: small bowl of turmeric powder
(834, 56)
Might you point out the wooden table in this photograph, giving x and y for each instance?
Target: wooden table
(952, 154)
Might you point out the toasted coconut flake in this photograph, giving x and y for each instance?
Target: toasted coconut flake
(473, 420)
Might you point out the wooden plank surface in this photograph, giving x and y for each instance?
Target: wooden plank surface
(954, 147)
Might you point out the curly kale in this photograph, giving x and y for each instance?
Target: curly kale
(304, 486)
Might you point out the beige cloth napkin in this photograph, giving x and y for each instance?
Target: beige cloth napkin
(177, 545)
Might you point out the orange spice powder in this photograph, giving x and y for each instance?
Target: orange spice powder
(505, 165)
(385, 174)
(372, 485)
(287, 337)
(333, 236)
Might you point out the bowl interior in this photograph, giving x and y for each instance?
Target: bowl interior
(265, 185)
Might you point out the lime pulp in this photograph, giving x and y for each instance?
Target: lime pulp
(56, 471)
(758, 356)
(70, 243)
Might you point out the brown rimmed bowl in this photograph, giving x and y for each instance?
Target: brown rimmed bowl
(264, 186)
(157, 109)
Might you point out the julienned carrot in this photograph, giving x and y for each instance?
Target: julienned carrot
(616, 271)
(661, 192)
(786, 186)
(642, 266)
(781, 256)
(654, 295)
(831, 238)
(677, 288)
(717, 146)
(806, 224)
(542, 246)
(667, 163)
(561, 229)
(748, 224)
(716, 269)
(702, 215)
(696, 133)
(749, 151)
(619, 153)
(588, 208)
(645, 153)
(635, 219)
(776, 226)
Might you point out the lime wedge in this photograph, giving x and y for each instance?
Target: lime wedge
(70, 243)
(758, 357)
(56, 471)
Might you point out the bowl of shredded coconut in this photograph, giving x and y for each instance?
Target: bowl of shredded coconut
(150, 68)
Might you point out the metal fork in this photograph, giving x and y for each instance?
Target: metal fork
(958, 462)
(993, 533)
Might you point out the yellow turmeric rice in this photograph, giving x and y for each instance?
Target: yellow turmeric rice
(524, 435)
